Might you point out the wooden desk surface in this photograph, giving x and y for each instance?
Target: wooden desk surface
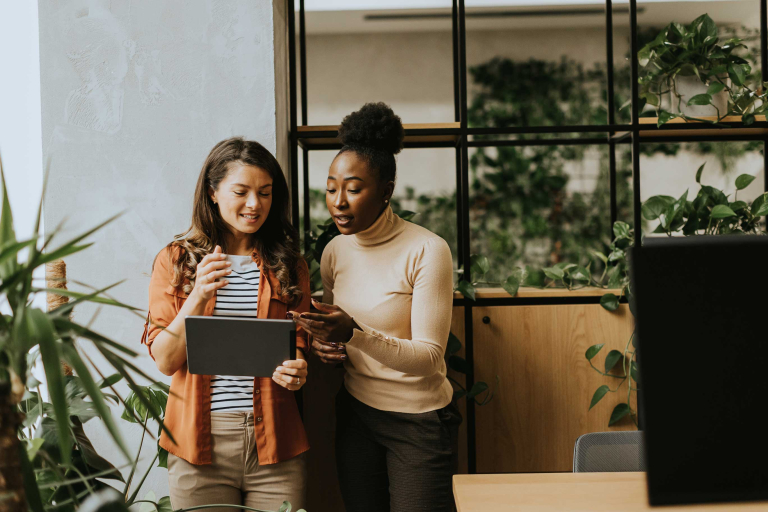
(567, 492)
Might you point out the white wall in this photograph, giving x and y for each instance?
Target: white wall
(20, 137)
(134, 96)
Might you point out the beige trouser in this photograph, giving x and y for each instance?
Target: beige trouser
(235, 476)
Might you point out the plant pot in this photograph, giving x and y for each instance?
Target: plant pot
(688, 87)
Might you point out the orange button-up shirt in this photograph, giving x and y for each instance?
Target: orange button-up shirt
(278, 428)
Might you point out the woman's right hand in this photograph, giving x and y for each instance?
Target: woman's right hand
(214, 266)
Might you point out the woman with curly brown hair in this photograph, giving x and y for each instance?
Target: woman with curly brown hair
(234, 440)
(386, 314)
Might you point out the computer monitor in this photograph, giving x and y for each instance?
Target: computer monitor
(701, 305)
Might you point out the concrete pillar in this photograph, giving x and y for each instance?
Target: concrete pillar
(135, 93)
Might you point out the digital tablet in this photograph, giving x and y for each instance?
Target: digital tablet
(248, 347)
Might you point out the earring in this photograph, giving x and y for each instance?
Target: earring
(386, 201)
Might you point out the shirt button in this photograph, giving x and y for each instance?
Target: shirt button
(257, 391)
(258, 419)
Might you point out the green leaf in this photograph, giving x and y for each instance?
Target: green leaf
(467, 289)
(618, 413)
(601, 256)
(43, 334)
(736, 72)
(406, 215)
(453, 345)
(458, 364)
(610, 302)
(620, 229)
(634, 372)
(721, 211)
(714, 88)
(533, 277)
(599, 394)
(580, 274)
(654, 206)
(613, 357)
(665, 117)
(285, 507)
(511, 285)
(700, 99)
(477, 388)
(760, 206)
(30, 484)
(554, 273)
(164, 503)
(110, 381)
(479, 265)
(74, 360)
(743, 181)
(33, 446)
(593, 350)
(698, 173)
(738, 206)
(162, 457)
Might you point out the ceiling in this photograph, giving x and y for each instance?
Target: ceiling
(346, 16)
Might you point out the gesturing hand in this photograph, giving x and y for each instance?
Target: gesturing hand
(329, 329)
(213, 267)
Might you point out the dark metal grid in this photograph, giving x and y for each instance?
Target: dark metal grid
(632, 135)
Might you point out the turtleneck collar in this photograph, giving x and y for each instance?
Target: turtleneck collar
(384, 228)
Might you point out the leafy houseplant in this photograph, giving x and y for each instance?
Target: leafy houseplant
(710, 213)
(694, 52)
(53, 337)
(46, 461)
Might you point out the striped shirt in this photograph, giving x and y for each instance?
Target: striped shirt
(231, 393)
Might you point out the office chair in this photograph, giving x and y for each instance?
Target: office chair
(609, 452)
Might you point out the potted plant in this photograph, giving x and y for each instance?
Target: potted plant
(46, 460)
(687, 72)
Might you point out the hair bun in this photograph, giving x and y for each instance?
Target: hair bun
(375, 126)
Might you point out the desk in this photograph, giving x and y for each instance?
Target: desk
(567, 492)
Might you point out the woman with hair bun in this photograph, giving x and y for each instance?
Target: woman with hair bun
(386, 314)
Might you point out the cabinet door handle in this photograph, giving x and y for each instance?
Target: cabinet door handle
(486, 320)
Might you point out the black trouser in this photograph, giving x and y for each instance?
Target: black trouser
(395, 461)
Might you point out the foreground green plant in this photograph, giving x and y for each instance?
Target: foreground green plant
(46, 461)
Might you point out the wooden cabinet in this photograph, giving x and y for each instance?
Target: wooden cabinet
(541, 400)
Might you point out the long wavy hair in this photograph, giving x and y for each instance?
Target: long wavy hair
(276, 242)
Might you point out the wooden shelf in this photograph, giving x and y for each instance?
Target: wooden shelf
(528, 293)
(421, 134)
(539, 293)
(680, 128)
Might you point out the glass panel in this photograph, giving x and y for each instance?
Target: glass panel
(398, 56)
(541, 205)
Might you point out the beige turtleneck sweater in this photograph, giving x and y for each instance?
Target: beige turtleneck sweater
(396, 280)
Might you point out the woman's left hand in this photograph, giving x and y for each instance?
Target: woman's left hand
(291, 374)
(333, 325)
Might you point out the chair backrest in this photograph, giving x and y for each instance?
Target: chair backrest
(609, 452)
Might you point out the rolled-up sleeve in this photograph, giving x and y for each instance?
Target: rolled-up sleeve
(163, 306)
(431, 310)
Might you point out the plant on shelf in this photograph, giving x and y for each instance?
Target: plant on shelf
(687, 66)
(711, 212)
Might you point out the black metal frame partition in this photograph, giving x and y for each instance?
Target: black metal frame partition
(612, 134)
